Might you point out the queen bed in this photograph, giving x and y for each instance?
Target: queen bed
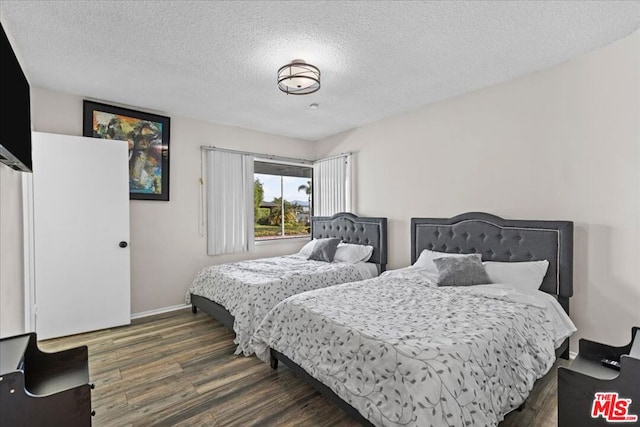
(402, 349)
(240, 294)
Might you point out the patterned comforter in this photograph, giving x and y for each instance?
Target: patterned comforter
(249, 289)
(405, 352)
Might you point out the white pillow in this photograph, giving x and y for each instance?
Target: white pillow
(348, 252)
(523, 275)
(425, 260)
(307, 249)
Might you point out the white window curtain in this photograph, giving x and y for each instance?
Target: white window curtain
(332, 185)
(229, 189)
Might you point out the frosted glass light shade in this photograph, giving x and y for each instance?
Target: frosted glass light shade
(298, 78)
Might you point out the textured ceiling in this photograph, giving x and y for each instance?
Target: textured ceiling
(217, 61)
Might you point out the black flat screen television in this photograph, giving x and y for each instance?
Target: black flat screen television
(15, 115)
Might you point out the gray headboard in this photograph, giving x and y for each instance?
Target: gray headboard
(354, 229)
(499, 239)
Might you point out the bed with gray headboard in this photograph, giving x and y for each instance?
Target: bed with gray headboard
(361, 313)
(346, 226)
(504, 240)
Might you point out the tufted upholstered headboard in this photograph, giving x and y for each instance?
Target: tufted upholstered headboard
(499, 239)
(354, 229)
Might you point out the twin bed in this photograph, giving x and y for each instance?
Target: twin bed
(240, 294)
(399, 349)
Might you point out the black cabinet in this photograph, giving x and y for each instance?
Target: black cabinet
(43, 389)
(594, 393)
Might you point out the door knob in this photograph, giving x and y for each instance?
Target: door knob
(123, 244)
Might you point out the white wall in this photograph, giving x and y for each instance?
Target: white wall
(560, 144)
(11, 253)
(167, 249)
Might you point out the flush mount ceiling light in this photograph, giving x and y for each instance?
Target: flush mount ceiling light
(298, 78)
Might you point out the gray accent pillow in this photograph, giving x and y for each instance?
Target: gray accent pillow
(325, 249)
(461, 271)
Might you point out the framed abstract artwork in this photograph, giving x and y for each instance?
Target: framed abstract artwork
(148, 138)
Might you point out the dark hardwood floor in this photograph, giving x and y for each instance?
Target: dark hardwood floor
(179, 369)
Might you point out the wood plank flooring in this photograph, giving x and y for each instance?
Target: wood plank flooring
(179, 369)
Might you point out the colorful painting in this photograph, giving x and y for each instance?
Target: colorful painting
(148, 138)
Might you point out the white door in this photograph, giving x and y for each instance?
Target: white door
(81, 222)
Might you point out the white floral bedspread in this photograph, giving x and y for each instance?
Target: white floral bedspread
(406, 353)
(249, 289)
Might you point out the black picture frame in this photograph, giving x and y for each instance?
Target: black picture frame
(148, 138)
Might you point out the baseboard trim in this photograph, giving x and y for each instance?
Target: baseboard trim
(158, 311)
(572, 355)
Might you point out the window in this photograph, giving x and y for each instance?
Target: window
(282, 200)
